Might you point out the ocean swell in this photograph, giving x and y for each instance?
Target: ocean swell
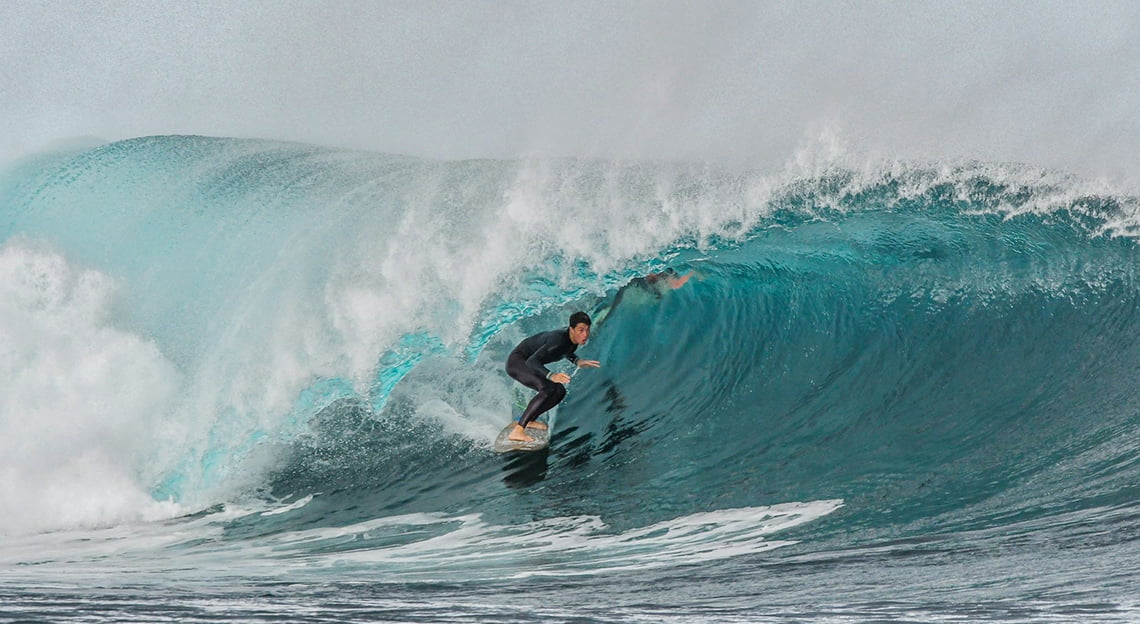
(938, 346)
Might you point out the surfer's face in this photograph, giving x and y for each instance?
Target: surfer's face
(580, 333)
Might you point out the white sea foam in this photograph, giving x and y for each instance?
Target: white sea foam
(79, 399)
(471, 548)
(421, 547)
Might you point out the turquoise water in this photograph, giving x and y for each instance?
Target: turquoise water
(259, 381)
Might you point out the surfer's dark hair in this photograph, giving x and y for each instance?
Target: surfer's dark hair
(580, 317)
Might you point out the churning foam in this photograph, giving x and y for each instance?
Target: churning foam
(79, 398)
(468, 547)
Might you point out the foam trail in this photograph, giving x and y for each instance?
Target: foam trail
(422, 547)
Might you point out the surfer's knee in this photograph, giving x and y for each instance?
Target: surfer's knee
(558, 392)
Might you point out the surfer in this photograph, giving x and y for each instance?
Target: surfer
(667, 279)
(527, 365)
(654, 284)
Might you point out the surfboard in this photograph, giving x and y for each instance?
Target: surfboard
(504, 445)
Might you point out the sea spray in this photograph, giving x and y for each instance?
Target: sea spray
(83, 400)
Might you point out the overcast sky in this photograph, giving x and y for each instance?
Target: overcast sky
(1056, 84)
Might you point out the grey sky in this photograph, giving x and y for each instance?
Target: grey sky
(1055, 84)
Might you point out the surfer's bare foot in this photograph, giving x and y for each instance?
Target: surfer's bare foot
(534, 424)
(519, 435)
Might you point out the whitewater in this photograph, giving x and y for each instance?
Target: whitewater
(250, 380)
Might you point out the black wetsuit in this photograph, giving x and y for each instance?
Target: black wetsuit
(527, 364)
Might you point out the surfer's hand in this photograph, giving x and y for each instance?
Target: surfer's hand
(589, 364)
(561, 378)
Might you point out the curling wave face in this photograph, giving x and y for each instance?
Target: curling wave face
(902, 350)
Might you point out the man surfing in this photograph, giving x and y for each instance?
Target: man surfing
(527, 365)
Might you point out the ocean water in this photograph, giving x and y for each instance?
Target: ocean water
(252, 381)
